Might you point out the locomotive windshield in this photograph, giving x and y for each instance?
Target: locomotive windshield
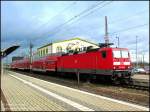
(124, 54)
(120, 54)
(116, 54)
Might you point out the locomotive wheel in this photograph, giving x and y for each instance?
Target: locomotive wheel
(127, 81)
(130, 81)
(115, 81)
(124, 81)
(91, 78)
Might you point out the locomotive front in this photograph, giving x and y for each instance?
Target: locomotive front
(121, 65)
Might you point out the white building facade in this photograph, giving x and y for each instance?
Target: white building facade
(65, 46)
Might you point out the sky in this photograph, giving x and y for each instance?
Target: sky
(42, 22)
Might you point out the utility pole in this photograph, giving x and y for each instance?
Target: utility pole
(118, 40)
(136, 52)
(2, 72)
(106, 31)
(78, 77)
(31, 46)
(143, 59)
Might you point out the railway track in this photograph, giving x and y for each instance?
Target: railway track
(137, 84)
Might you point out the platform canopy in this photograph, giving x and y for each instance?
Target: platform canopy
(9, 50)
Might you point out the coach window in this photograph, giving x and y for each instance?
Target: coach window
(103, 54)
(59, 49)
(38, 53)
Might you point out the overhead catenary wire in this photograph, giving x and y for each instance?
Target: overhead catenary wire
(61, 12)
(68, 22)
(78, 15)
(130, 28)
(118, 20)
(74, 17)
(86, 15)
(114, 21)
(126, 29)
(127, 17)
(47, 22)
(58, 30)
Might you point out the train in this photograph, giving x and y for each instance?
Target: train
(113, 63)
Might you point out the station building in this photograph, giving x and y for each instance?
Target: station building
(65, 46)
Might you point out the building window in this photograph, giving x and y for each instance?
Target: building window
(46, 50)
(59, 49)
(41, 53)
(77, 49)
(68, 49)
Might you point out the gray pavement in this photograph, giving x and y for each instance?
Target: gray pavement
(21, 97)
(2, 106)
(28, 93)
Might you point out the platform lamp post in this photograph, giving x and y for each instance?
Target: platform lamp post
(143, 59)
(78, 76)
(136, 53)
(6, 52)
(31, 46)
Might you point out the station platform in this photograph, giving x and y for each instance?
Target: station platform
(24, 93)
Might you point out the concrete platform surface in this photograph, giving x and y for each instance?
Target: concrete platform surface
(27, 93)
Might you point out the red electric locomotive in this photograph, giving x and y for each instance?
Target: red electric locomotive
(47, 63)
(111, 62)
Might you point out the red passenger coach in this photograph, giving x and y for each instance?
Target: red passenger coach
(51, 63)
(13, 65)
(47, 63)
(38, 65)
(21, 64)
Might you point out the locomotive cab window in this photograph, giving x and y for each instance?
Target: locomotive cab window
(116, 54)
(125, 54)
(103, 53)
(121, 54)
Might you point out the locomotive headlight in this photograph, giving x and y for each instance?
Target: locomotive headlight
(126, 63)
(114, 67)
(116, 63)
